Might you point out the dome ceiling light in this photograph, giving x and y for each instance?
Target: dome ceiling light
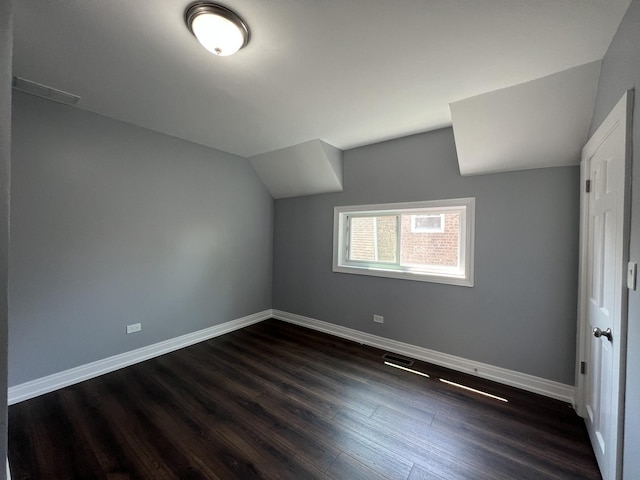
(218, 29)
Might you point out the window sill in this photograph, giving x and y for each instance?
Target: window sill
(402, 275)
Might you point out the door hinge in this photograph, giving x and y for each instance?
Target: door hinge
(583, 368)
(587, 187)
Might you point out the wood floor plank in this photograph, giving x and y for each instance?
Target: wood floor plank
(379, 393)
(282, 379)
(133, 433)
(295, 468)
(246, 409)
(419, 473)
(278, 401)
(346, 466)
(456, 458)
(99, 441)
(376, 456)
(561, 461)
(188, 434)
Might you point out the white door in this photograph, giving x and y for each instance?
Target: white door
(603, 291)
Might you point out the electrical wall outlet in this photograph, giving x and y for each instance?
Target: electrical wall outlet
(378, 318)
(133, 328)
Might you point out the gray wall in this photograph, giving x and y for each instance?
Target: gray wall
(6, 41)
(521, 313)
(114, 224)
(621, 71)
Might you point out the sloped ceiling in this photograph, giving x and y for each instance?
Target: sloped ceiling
(304, 169)
(349, 72)
(541, 123)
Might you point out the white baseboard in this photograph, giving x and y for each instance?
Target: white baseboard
(512, 378)
(47, 384)
(78, 374)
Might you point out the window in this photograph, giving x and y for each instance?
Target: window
(428, 241)
(427, 223)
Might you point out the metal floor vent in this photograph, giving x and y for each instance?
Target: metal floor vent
(397, 359)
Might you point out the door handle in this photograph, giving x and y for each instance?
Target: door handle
(606, 333)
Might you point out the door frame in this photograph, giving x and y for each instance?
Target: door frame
(621, 112)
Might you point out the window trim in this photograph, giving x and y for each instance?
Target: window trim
(340, 236)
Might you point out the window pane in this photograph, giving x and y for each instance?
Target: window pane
(373, 239)
(431, 239)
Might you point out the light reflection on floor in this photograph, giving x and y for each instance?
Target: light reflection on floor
(406, 369)
(448, 382)
(490, 395)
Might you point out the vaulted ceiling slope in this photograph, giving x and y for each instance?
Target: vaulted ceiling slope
(349, 72)
(541, 123)
(304, 169)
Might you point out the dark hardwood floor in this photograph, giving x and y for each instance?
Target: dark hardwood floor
(279, 401)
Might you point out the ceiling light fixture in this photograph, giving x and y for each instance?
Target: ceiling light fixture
(218, 29)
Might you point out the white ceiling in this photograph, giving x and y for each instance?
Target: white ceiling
(349, 72)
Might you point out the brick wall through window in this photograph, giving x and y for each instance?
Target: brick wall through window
(432, 248)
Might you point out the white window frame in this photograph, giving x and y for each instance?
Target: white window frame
(461, 275)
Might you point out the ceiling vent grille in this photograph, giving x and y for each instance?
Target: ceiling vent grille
(43, 91)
